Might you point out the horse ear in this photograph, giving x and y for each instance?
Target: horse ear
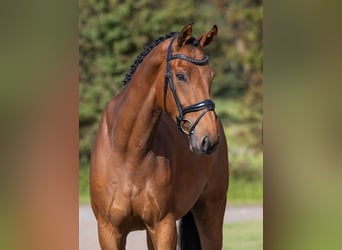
(184, 35)
(207, 38)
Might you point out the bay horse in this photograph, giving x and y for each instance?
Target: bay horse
(160, 152)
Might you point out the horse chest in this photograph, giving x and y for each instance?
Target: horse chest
(142, 190)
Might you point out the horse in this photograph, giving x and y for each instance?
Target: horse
(160, 153)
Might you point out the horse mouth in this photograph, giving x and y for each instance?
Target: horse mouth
(212, 149)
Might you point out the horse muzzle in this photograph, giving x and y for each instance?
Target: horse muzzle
(204, 145)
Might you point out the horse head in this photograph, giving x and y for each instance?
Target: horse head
(186, 89)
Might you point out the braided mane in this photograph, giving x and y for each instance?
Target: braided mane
(142, 55)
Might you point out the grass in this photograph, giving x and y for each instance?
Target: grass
(244, 192)
(243, 132)
(243, 236)
(84, 197)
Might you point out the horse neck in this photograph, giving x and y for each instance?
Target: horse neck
(137, 112)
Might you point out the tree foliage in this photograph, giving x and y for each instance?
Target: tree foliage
(112, 33)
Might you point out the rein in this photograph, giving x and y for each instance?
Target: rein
(206, 105)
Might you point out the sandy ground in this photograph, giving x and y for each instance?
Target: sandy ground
(137, 240)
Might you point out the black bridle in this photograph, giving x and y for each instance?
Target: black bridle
(207, 105)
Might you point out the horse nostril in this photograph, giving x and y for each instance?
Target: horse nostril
(205, 145)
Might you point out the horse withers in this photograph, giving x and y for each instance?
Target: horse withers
(160, 152)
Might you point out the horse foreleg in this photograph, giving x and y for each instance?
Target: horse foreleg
(149, 241)
(163, 235)
(208, 216)
(110, 238)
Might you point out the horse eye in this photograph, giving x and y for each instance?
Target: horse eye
(181, 77)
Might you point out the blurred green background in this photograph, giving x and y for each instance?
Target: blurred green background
(113, 33)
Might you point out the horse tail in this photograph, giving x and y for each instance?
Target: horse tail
(189, 238)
